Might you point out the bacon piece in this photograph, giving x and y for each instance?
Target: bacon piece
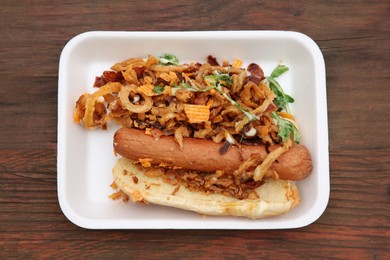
(108, 76)
(255, 70)
(254, 79)
(212, 60)
(271, 107)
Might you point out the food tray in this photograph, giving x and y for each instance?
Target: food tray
(85, 157)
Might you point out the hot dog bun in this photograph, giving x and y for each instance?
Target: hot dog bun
(204, 155)
(276, 196)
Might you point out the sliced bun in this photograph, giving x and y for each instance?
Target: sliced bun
(276, 196)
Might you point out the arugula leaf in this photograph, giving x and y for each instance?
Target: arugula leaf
(183, 85)
(158, 89)
(168, 59)
(282, 99)
(279, 70)
(289, 98)
(191, 87)
(286, 128)
(220, 77)
(249, 115)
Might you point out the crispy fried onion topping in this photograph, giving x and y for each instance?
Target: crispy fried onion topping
(262, 169)
(185, 100)
(207, 183)
(124, 96)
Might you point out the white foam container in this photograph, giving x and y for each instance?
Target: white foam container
(85, 157)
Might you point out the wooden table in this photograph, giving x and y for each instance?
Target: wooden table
(355, 39)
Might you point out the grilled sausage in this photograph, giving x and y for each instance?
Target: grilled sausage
(204, 155)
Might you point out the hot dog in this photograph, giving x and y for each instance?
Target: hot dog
(205, 115)
(203, 155)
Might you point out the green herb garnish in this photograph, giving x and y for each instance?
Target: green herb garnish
(249, 115)
(158, 89)
(282, 99)
(218, 77)
(168, 59)
(286, 128)
(279, 70)
(191, 87)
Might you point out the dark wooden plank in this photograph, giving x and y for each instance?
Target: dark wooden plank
(354, 37)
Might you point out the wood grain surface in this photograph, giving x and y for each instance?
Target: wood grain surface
(354, 37)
